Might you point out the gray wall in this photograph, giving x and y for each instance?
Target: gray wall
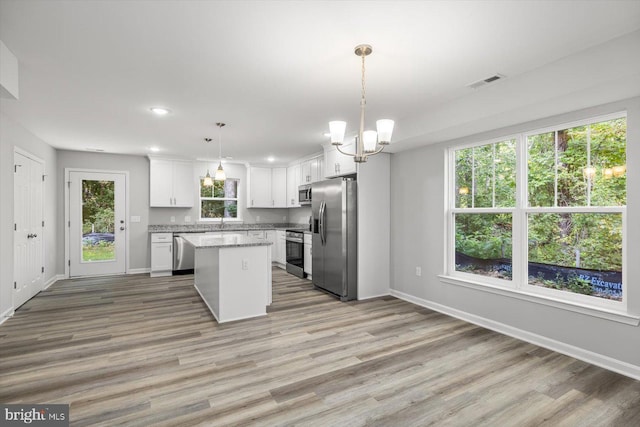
(138, 168)
(13, 135)
(418, 239)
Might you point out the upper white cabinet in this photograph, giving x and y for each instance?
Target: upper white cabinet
(293, 182)
(279, 187)
(336, 163)
(171, 183)
(312, 170)
(267, 187)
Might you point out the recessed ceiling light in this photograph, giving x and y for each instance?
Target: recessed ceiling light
(154, 149)
(98, 150)
(160, 111)
(271, 159)
(327, 134)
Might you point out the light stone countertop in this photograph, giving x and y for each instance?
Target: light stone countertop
(199, 228)
(224, 241)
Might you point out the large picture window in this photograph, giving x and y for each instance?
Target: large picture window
(220, 201)
(543, 212)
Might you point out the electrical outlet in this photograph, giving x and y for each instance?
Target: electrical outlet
(134, 219)
(418, 271)
(187, 218)
(245, 264)
(284, 219)
(258, 218)
(172, 219)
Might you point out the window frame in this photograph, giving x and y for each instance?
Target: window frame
(519, 286)
(220, 220)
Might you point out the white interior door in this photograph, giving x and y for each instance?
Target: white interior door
(28, 229)
(97, 226)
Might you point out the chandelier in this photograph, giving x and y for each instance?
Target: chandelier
(367, 140)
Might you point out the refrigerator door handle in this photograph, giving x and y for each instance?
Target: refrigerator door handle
(321, 222)
(324, 222)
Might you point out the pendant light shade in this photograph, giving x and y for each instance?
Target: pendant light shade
(207, 181)
(220, 175)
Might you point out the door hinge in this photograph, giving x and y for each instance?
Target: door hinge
(43, 223)
(69, 184)
(42, 178)
(15, 285)
(69, 223)
(15, 227)
(43, 269)
(69, 263)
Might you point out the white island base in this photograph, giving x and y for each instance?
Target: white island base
(234, 281)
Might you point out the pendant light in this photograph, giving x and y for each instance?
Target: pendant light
(366, 141)
(220, 175)
(207, 182)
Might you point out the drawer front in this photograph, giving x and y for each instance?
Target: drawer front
(161, 237)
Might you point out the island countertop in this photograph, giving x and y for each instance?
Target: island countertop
(224, 241)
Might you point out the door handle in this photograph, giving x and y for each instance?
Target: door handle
(121, 228)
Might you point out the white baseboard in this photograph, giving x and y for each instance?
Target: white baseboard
(139, 271)
(53, 280)
(386, 294)
(8, 313)
(597, 359)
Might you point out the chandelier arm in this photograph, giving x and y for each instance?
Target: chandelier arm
(344, 152)
(379, 150)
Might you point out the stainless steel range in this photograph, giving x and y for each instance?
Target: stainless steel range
(295, 252)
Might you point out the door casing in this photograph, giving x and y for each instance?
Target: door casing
(67, 198)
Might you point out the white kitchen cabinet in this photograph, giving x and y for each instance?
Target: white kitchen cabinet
(161, 254)
(281, 251)
(267, 187)
(307, 254)
(311, 170)
(259, 194)
(171, 183)
(270, 236)
(258, 234)
(279, 187)
(293, 182)
(337, 164)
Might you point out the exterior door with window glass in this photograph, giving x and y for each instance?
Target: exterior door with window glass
(97, 225)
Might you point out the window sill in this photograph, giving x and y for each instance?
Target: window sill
(615, 316)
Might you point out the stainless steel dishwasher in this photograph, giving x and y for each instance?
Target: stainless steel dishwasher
(183, 255)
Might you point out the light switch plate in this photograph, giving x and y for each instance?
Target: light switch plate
(135, 218)
(172, 219)
(187, 219)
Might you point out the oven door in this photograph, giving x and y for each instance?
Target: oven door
(295, 256)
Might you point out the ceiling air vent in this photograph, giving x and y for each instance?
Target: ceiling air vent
(486, 81)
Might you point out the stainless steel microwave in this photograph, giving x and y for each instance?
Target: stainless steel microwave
(304, 194)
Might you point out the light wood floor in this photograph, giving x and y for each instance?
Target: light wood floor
(140, 351)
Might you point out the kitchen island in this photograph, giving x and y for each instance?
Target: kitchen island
(232, 274)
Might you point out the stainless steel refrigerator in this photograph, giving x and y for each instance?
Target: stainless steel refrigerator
(335, 237)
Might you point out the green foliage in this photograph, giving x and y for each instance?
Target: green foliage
(98, 201)
(101, 251)
(556, 162)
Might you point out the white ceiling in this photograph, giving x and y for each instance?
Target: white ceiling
(277, 71)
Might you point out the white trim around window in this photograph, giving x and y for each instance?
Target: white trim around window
(519, 287)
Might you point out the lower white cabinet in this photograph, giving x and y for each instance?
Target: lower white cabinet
(161, 254)
(307, 254)
(270, 236)
(280, 256)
